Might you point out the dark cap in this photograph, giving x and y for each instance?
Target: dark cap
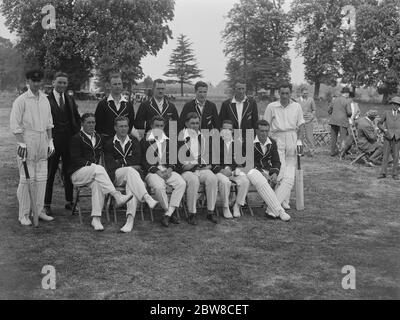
(34, 75)
(345, 90)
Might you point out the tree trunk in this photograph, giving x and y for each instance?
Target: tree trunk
(272, 94)
(181, 88)
(385, 99)
(317, 86)
(354, 88)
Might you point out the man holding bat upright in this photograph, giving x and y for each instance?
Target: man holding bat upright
(31, 123)
(287, 128)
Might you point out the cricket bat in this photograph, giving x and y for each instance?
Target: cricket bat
(299, 186)
(33, 204)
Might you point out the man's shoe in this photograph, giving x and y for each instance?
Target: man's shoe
(68, 206)
(174, 218)
(395, 177)
(212, 217)
(128, 225)
(192, 219)
(121, 199)
(382, 176)
(150, 201)
(286, 206)
(270, 214)
(43, 216)
(284, 216)
(96, 224)
(165, 221)
(47, 210)
(236, 211)
(25, 221)
(227, 213)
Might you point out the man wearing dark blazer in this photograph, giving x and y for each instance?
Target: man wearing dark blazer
(340, 111)
(67, 122)
(206, 109)
(86, 150)
(113, 106)
(241, 110)
(390, 125)
(161, 171)
(158, 105)
(266, 169)
(123, 159)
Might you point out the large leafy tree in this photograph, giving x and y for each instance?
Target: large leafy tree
(109, 35)
(182, 64)
(320, 39)
(11, 65)
(257, 37)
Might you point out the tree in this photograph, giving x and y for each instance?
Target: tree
(182, 63)
(11, 65)
(257, 38)
(109, 35)
(321, 39)
(148, 82)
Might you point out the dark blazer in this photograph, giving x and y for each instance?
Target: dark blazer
(340, 111)
(165, 161)
(149, 109)
(269, 160)
(367, 135)
(106, 112)
(249, 115)
(71, 113)
(115, 157)
(227, 158)
(83, 153)
(209, 116)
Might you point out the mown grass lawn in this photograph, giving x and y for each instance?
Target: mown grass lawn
(351, 218)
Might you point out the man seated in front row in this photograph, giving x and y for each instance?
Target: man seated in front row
(195, 170)
(267, 166)
(368, 138)
(122, 156)
(86, 148)
(160, 173)
(228, 170)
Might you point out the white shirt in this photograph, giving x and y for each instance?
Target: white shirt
(30, 112)
(159, 104)
(117, 104)
(284, 119)
(239, 109)
(159, 143)
(395, 112)
(92, 138)
(263, 145)
(122, 143)
(57, 96)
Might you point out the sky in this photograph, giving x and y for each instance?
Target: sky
(202, 21)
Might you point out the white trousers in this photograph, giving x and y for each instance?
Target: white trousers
(265, 191)
(193, 180)
(224, 188)
(159, 185)
(134, 185)
(287, 149)
(96, 177)
(37, 144)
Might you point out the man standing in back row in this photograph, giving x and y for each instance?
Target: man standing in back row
(287, 128)
(67, 123)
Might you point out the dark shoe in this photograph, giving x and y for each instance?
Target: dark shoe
(47, 211)
(174, 218)
(212, 217)
(165, 221)
(382, 176)
(192, 219)
(68, 206)
(396, 178)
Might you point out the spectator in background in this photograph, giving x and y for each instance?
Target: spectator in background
(352, 130)
(309, 114)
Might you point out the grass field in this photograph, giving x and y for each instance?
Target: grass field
(351, 218)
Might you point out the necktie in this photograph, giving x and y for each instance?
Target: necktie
(62, 103)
